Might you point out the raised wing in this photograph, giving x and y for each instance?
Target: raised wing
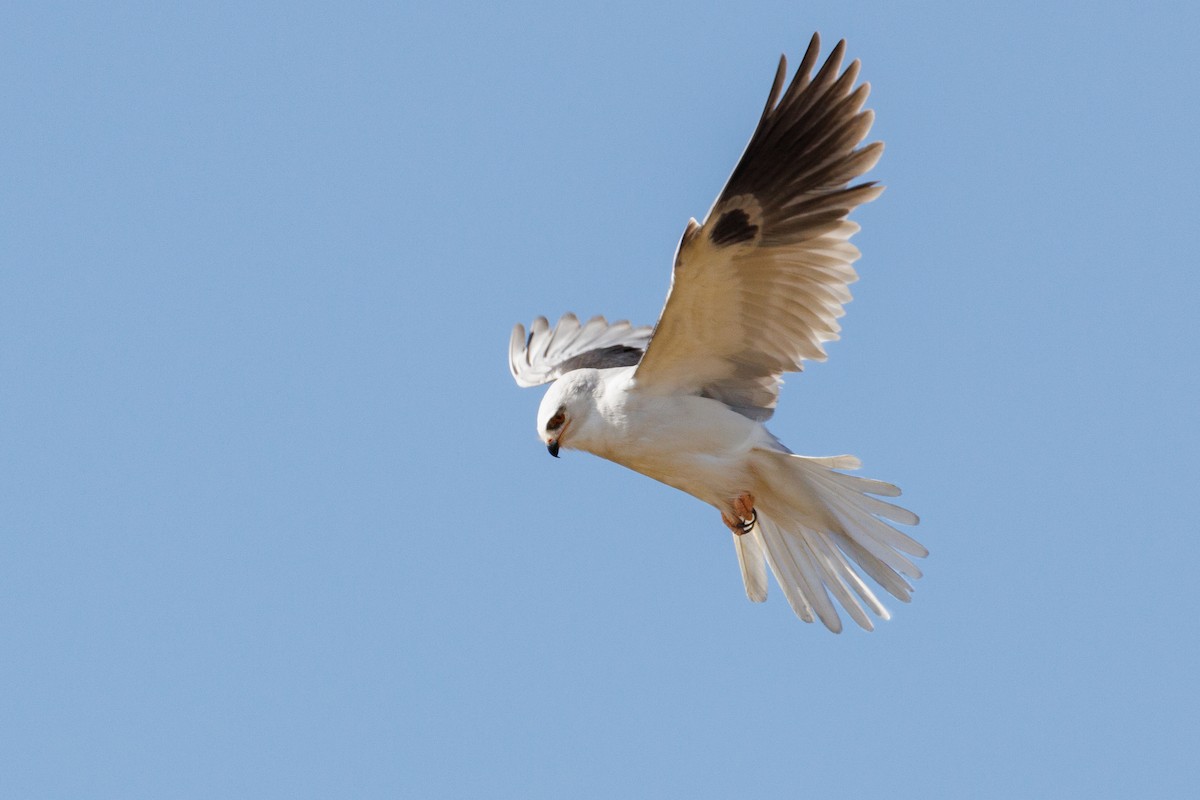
(759, 286)
(549, 352)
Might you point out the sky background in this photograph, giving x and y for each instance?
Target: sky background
(275, 520)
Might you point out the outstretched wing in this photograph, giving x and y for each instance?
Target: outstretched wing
(759, 286)
(550, 352)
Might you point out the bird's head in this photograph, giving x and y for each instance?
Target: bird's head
(566, 410)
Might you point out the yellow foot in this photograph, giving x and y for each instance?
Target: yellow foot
(743, 506)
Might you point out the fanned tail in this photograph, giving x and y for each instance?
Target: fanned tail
(815, 525)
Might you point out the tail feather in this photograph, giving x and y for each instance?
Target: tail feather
(858, 484)
(807, 548)
(857, 498)
(850, 579)
(787, 571)
(816, 583)
(880, 572)
(814, 526)
(886, 510)
(754, 568)
(880, 539)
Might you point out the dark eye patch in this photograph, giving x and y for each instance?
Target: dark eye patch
(557, 420)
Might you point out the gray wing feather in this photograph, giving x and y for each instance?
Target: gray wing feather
(547, 353)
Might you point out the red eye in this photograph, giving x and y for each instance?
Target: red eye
(556, 421)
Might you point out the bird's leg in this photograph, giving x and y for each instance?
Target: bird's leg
(743, 506)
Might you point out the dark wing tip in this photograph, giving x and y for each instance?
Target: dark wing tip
(776, 88)
(804, 150)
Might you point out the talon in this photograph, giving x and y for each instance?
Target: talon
(747, 515)
(743, 506)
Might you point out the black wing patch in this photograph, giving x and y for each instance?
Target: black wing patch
(617, 355)
(733, 227)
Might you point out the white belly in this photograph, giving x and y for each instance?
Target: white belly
(695, 444)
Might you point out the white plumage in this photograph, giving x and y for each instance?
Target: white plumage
(756, 290)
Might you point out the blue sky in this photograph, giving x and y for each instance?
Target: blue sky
(275, 519)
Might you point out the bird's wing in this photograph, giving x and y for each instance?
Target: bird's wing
(547, 353)
(759, 286)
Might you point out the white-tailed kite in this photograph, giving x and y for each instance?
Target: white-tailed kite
(756, 289)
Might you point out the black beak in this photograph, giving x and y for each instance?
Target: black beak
(553, 447)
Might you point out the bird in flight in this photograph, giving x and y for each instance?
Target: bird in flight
(756, 289)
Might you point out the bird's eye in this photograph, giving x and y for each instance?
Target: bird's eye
(556, 421)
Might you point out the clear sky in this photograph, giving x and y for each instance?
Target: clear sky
(275, 520)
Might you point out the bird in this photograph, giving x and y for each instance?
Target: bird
(756, 289)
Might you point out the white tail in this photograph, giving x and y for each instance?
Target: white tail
(814, 525)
